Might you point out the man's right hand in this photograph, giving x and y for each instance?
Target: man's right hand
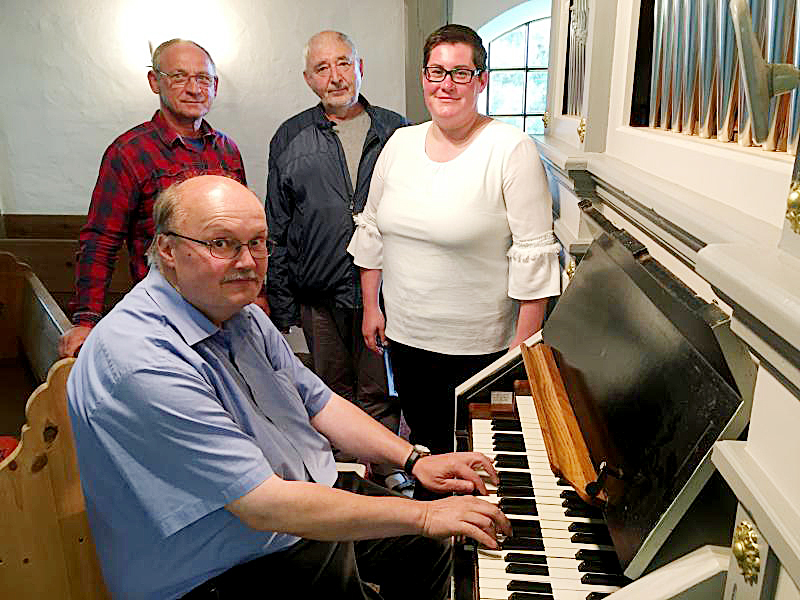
(466, 515)
(72, 339)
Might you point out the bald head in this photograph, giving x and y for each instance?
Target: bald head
(200, 198)
(324, 38)
(156, 58)
(192, 199)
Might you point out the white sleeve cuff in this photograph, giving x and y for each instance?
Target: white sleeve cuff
(366, 245)
(533, 268)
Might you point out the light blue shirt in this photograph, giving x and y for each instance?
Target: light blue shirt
(173, 419)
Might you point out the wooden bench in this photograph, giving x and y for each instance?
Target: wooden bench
(49, 244)
(30, 325)
(46, 547)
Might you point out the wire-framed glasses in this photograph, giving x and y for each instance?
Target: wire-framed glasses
(181, 78)
(460, 75)
(229, 248)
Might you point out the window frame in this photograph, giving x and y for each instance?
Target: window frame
(486, 95)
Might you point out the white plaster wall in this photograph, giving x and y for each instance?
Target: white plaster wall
(74, 77)
(476, 13)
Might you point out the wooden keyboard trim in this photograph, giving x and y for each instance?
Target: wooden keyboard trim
(566, 448)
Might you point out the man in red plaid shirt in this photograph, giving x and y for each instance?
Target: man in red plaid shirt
(176, 144)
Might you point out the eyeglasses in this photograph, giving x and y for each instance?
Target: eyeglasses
(227, 248)
(437, 74)
(180, 79)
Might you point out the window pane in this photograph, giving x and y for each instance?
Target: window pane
(536, 98)
(539, 43)
(506, 89)
(515, 121)
(508, 50)
(534, 125)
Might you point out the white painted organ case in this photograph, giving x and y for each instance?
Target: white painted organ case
(649, 127)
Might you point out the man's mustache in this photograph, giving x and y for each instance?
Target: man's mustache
(240, 276)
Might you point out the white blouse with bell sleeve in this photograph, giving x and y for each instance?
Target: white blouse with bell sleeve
(458, 241)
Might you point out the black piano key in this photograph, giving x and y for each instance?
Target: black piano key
(526, 528)
(604, 555)
(528, 596)
(521, 543)
(518, 506)
(526, 569)
(515, 490)
(577, 504)
(600, 579)
(569, 495)
(529, 586)
(511, 461)
(597, 528)
(506, 425)
(533, 559)
(597, 595)
(506, 436)
(563, 482)
(588, 513)
(591, 538)
(515, 478)
(598, 566)
(508, 446)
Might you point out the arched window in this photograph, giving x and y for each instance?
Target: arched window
(519, 48)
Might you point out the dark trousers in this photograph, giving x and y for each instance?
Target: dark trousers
(403, 567)
(426, 383)
(348, 367)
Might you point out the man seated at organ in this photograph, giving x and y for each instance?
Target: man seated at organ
(204, 444)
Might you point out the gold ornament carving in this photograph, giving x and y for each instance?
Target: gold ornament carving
(745, 550)
(571, 268)
(793, 207)
(582, 129)
(546, 119)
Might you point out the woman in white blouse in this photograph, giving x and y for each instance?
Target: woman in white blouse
(458, 227)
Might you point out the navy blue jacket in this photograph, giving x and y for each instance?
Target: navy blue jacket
(310, 206)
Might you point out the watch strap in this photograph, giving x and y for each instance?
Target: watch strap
(416, 454)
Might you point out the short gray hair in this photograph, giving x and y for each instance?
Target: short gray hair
(343, 37)
(155, 60)
(164, 217)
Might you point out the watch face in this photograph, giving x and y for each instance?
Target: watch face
(421, 449)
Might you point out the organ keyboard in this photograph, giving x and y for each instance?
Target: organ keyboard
(648, 390)
(561, 548)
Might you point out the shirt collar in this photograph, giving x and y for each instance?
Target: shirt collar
(170, 137)
(192, 325)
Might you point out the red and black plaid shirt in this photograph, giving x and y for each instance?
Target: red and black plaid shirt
(135, 168)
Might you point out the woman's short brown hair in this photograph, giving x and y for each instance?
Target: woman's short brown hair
(455, 34)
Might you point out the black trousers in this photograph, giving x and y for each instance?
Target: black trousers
(403, 567)
(349, 368)
(426, 383)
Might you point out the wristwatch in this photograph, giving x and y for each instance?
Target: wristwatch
(417, 452)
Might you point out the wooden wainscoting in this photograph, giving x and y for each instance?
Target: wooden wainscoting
(49, 244)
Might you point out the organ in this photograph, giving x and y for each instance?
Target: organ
(650, 146)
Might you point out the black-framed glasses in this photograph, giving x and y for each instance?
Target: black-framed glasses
(437, 74)
(180, 79)
(228, 248)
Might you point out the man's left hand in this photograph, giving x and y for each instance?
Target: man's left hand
(458, 472)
